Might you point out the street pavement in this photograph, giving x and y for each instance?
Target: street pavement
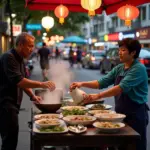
(24, 116)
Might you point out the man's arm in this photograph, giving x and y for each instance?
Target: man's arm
(26, 83)
(29, 92)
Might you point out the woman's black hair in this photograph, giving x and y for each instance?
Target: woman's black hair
(132, 45)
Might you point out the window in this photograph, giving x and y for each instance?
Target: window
(143, 13)
(109, 53)
(107, 25)
(144, 53)
(95, 28)
(115, 21)
(122, 22)
(101, 27)
(98, 54)
(114, 53)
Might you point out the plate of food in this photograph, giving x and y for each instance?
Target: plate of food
(73, 107)
(45, 123)
(62, 128)
(73, 110)
(94, 112)
(47, 116)
(98, 106)
(77, 129)
(79, 119)
(110, 117)
(108, 127)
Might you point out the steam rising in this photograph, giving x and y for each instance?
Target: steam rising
(60, 74)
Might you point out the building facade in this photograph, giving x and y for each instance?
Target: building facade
(111, 29)
(3, 30)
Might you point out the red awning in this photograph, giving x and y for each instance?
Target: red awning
(110, 6)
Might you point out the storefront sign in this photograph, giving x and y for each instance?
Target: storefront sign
(33, 26)
(123, 35)
(111, 37)
(143, 33)
(17, 29)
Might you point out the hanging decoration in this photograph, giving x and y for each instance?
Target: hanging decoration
(128, 13)
(61, 12)
(47, 22)
(91, 6)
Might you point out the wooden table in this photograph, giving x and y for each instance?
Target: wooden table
(92, 138)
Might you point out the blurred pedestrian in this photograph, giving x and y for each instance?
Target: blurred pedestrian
(71, 59)
(44, 53)
(57, 53)
(13, 82)
(79, 56)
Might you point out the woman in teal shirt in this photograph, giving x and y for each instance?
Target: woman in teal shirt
(130, 88)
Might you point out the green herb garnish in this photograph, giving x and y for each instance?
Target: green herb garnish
(52, 129)
(74, 112)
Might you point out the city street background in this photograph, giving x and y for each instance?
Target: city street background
(80, 75)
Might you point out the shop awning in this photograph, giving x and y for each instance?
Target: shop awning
(110, 6)
(74, 39)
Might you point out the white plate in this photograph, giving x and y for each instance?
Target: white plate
(52, 122)
(78, 131)
(68, 119)
(108, 130)
(94, 112)
(106, 107)
(110, 117)
(73, 107)
(47, 116)
(36, 130)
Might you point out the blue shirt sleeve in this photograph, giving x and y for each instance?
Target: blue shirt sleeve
(108, 79)
(133, 78)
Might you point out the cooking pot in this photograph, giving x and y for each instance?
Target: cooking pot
(53, 100)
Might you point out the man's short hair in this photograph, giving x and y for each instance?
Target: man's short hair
(132, 45)
(23, 38)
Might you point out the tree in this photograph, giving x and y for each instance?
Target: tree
(23, 15)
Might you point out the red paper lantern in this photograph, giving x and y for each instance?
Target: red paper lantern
(128, 13)
(61, 12)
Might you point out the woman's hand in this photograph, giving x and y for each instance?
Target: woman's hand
(75, 84)
(87, 98)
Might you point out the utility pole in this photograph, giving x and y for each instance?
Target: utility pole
(11, 23)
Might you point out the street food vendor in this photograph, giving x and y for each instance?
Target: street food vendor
(130, 88)
(12, 85)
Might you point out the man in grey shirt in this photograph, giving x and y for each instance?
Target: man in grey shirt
(12, 85)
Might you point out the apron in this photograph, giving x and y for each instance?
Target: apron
(136, 114)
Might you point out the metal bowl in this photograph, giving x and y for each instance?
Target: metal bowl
(49, 108)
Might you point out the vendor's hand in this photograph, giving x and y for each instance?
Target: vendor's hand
(74, 85)
(36, 99)
(87, 98)
(49, 85)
